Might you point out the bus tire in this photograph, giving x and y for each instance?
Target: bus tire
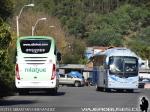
(55, 90)
(104, 89)
(108, 90)
(98, 88)
(77, 84)
(23, 92)
(120, 90)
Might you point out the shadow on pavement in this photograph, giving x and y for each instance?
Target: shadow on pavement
(121, 91)
(58, 94)
(4, 102)
(41, 93)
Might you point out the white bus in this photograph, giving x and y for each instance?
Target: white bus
(36, 64)
(116, 68)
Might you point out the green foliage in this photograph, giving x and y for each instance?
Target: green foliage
(6, 79)
(76, 27)
(74, 53)
(98, 22)
(6, 68)
(83, 61)
(5, 37)
(46, 6)
(6, 8)
(110, 29)
(141, 43)
(102, 22)
(105, 37)
(73, 13)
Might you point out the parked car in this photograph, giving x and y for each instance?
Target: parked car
(66, 79)
(76, 74)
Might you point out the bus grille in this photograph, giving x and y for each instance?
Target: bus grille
(35, 60)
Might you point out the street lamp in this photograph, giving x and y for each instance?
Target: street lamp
(17, 17)
(51, 27)
(33, 27)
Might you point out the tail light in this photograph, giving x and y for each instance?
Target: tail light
(17, 72)
(53, 72)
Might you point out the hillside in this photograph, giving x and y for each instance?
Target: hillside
(100, 22)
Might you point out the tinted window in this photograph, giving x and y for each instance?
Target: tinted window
(62, 75)
(123, 65)
(68, 76)
(35, 46)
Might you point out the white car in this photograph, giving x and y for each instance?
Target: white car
(65, 79)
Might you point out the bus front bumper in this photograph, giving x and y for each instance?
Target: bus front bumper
(36, 84)
(124, 83)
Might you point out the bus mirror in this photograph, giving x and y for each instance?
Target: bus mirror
(141, 64)
(58, 56)
(107, 61)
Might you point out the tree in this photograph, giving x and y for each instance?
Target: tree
(105, 37)
(76, 27)
(74, 51)
(6, 8)
(141, 43)
(6, 68)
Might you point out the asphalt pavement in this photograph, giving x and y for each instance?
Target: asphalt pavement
(75, 99)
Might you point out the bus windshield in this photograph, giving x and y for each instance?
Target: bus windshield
(36, 46)
(122, 65)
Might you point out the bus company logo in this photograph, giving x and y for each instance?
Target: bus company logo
(36, 70)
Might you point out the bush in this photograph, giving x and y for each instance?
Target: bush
(74, 52)
(6, 80)
(6, 68)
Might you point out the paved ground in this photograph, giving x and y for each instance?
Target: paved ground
(72, 99)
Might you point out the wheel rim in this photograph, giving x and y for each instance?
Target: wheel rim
(76, 84)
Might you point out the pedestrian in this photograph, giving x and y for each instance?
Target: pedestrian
(144, 105)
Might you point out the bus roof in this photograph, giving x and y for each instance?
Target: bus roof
(117, 51)
(38, 37)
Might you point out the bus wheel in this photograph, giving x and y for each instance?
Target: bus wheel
(55, 90)
(77, 84)
(98, 88)
(120, 90)
(107, 89)
(23, 92)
